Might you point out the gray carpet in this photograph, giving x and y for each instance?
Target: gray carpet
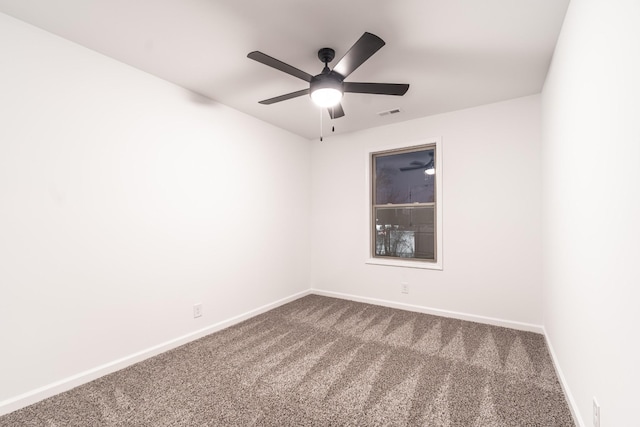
(322, 361)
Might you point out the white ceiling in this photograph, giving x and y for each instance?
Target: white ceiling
(455, 53)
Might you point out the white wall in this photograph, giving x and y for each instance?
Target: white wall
(124, 201)
(591, 158)
(492, 214)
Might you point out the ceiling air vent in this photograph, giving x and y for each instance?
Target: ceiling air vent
(390, 112)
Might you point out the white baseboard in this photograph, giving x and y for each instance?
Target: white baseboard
(33, 396)
(563, 382)
(530, 327)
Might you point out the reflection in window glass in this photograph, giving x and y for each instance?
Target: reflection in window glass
(404, 177)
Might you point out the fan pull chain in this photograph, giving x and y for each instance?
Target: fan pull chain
(333, 128)
(320, 124)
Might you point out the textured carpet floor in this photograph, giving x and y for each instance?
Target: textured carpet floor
(322, 361)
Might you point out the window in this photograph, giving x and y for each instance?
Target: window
(404, 191)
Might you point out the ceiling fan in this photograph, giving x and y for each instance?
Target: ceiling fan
(326, 89)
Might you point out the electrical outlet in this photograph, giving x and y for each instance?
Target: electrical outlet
(197, 310)
(404, 287)
(596, 413)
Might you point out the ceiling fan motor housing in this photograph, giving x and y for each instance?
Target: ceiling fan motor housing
(327, 80)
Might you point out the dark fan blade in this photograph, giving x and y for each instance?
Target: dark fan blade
(336, 112)
(362, 50)
(285, 97)
(279, 65)
(377, 88)
(410, 168)
(418, 165)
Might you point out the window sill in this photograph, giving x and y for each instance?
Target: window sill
(406, 264)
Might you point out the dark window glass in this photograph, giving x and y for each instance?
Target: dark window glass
(405, 232)
(404, 204)
(403, 178)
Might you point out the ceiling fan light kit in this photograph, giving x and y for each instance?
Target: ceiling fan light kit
(327, 88)
(326, 95)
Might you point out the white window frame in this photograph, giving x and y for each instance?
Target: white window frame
(423, 264)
